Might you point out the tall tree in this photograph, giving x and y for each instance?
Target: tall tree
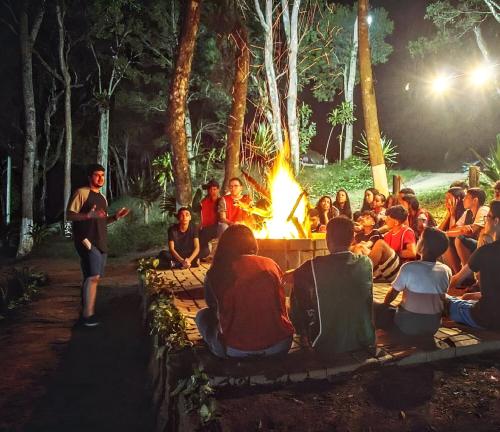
(369, 102)
(176, 115)
(266, 21)
(113, 29)
(68, 122)
(291, 24)
(239, 99)
(27, 38)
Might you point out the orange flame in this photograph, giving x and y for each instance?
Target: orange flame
(285, 191)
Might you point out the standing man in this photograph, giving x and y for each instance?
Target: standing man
(229, 210)
(88, 210)
(209, 216)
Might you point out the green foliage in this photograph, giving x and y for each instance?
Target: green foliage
(147, 191)
(353, 174)
(491, 164)
(146, 264)
(336, 23)
(134, 236)
(388, 150)
(342, 115)
(39, 233)
(198, 394)
(307, 129)
(163, 169)
(19, 287)
(167, 322)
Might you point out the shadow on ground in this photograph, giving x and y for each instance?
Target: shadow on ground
(101, 381)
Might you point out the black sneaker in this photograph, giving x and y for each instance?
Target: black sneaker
(90, 321)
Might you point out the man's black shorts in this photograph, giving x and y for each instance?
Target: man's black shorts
(92, 261)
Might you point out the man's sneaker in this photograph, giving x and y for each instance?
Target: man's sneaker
(91, 321)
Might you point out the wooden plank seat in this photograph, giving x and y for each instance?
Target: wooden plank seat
(452, 340)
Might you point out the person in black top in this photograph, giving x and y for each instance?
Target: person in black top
(88, 210)
(183, 241)
(343, 203)
(368, 235)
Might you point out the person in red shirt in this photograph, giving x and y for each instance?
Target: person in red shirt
(246, 314)
(229, 211)
(209, 216)
(397, 246)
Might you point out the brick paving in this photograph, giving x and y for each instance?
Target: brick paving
(452, 340)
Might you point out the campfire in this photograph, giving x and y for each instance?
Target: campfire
(286, 217)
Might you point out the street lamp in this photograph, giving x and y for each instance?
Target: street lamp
(481, 75)
(441, 83)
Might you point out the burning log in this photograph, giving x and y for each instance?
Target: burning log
(291, 217)
(257, 186)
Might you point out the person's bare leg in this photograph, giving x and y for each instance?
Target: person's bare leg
(451, 259)
(89, 295)
(462, 252)
(380, 253)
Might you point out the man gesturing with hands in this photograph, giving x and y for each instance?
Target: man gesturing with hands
(88, 210)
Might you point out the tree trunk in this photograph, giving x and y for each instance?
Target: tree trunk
(238, 106)
(68, 124)
(267, 24)
(102, 150)
(369, 102)
(349, 94)
(176, 116)
(484, 51)
(120, 176)
(8, 190)
(189, 144)
(291, 23)
(27, 40)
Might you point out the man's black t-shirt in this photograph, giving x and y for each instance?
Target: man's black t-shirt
(486, 261)
(95, 230)
(183, 241)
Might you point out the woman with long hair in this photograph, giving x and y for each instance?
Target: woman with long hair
(246, 313)
(454, 203)
(418, 217)
(343, 203)
(368, 198)
(326, 209)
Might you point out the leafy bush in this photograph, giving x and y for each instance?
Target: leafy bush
(491, 164)
(388, 150)
(307, 128)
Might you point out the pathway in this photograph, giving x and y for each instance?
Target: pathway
(57, 376)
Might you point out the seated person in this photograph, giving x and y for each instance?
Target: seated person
(379, 208)
(403, 192)
(246, 314)
(326, 210)
(480, 309)
(424, 284)
(343, 204)
(397, 246)
(331, 299)
(229, 211)
(209, 216)
(368, 235)
(367, 204)
(183, 243)
(466, 230)
(418, 218)
(454, 198)
(314, 222)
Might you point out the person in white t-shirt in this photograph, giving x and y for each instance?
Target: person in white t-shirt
(424, 284)
(463, 236)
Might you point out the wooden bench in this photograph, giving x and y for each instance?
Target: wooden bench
(452, 340)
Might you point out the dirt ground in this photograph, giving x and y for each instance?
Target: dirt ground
(57, 376)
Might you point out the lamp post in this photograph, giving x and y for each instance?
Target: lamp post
(369, 102)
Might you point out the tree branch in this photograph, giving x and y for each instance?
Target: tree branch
(262, 20)
(494, 8)
(38, 22)
(50, 70)
(98, 66)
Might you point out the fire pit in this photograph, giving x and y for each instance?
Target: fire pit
(291, 253)
(285, 234)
